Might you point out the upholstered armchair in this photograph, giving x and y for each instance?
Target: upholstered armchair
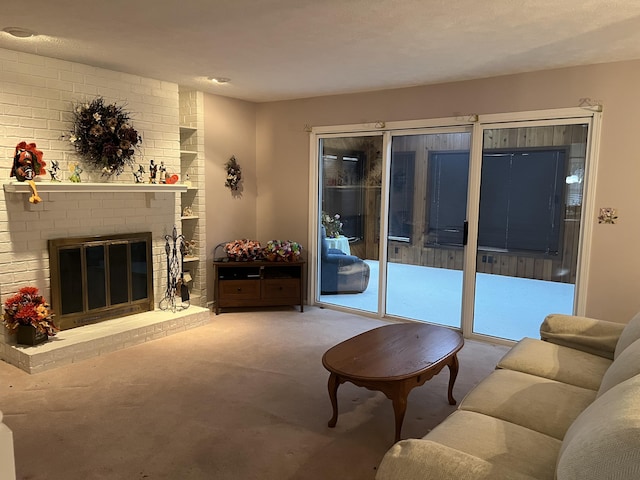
(341, 273)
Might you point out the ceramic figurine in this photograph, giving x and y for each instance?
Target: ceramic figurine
(163, 173)
(27, 165)
(75, 170)
(137, 175)
(53, 171)
(153, 171)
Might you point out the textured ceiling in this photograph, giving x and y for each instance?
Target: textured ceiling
(283, 49)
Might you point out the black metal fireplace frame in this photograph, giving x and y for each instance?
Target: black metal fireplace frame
(87, 315)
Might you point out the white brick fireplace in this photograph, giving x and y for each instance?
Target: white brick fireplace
(36, 98)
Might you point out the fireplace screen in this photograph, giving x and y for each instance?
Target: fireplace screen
(98, 278)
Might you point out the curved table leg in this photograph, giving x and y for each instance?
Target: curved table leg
(333, 396)
(453, 374)
(399, 408)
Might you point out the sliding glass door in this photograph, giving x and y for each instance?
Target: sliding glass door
(426, 225)
(529, 226)
(350, 174)
(475, 226)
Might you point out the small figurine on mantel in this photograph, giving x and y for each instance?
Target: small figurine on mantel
(53, 171)
(75, 170)
(163, 173)
(153, 171)
(27, 165)
(139, 174)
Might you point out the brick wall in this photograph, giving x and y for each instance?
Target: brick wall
(37, 95)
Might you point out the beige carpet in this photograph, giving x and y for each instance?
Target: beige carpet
(244, 397)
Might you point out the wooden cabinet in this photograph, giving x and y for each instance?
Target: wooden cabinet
(257, 284)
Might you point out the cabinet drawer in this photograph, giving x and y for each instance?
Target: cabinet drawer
(239, 289)
(281, 288)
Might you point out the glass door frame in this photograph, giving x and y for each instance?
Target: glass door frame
(477, 123)
(529, 119)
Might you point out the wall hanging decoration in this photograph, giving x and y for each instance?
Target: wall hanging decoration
(234, 174)
(27, 165)
(27, 314)
(608, 215)
(103, 136)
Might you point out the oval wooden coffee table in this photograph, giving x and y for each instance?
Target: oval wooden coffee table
(393, 359)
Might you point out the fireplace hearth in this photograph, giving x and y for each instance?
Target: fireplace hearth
(101, 277)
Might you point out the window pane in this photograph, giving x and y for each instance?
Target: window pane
(118, 275)
(138, 270)
(71, 290)
(350, 173)
(96, 276)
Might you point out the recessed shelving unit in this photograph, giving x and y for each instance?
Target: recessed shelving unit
(193, 195)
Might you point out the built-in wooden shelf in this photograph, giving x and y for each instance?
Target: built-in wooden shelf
(69, 187)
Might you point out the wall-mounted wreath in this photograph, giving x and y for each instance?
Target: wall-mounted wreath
(103, 136)
(234, 174)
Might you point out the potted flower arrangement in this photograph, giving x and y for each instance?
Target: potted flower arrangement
(332, 225)
(282, 251)
(27, 314)
(103, 135)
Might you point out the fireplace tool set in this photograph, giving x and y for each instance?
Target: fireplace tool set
(176, 296)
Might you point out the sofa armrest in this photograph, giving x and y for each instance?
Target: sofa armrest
(598, 337)
(428, 460)
(7, 462)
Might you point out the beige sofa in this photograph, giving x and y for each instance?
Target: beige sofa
(7, 462)
(566, 407)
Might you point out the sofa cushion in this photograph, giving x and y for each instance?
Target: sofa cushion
(582, 333)
(556, 362)
(504, 444)
(604, 441)
(630, 334)
(624, 367)
(419, 459)
(538, 403)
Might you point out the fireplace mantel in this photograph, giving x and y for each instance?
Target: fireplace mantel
(83, 187)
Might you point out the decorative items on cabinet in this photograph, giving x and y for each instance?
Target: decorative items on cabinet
(257, 284)
(282, 251)
(243, 250)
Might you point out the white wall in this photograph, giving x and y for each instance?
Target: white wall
(230, 129)
(37, 95)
